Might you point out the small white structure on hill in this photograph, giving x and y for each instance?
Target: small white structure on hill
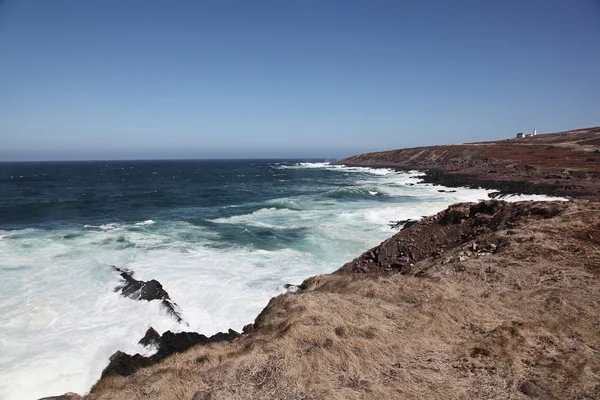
(520, 135)
(534, 132)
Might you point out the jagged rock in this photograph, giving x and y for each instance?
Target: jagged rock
(409, 223)
(248, 328)
(453, 216)
(532, 390)
(489, 207)
(169, 343)
(151, 338)
(66, 396)
(124, 364)
(149, 291)
(403, 224)
(291, 288)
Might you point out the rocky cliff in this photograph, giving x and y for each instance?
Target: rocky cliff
(487, 300)
(560, 164)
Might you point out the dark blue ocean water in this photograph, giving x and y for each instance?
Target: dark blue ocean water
(52, 194)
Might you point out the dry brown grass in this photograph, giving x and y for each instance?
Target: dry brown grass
(462, 330)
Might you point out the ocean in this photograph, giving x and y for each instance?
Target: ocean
(222, 237)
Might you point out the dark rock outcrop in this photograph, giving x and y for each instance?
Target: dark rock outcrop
(403, 224)
(291, 288)
(168, 343)
(151, 338)
(124, 364)
(149, 291)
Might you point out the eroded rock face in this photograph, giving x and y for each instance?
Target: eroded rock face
(151, 338)
(168, 343)
(459, 225)
(124, 364)
(149, 291)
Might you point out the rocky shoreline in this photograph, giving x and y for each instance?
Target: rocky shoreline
(559, 164)
(482, 300)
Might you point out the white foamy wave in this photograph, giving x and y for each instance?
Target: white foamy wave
(104, 227)
(147, 222)
(326, 165)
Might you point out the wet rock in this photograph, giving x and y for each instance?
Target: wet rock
(151, 338)
(409, 223)
(169, 343)
(532, 390)
(149, 291)
(124, 364)
(403, 224)
(291, 288)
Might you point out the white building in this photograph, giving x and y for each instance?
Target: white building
(534, 132)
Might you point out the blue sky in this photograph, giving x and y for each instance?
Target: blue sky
(196, 79)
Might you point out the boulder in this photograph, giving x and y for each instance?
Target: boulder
(149, 291)
(151, 338)
(249, 328)
(124, 364)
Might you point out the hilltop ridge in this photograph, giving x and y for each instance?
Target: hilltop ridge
(559, 164)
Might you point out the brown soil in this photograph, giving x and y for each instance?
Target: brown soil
(482, 301)
(563, 164)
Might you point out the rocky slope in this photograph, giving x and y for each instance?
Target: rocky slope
(561, 164)
(491, 300)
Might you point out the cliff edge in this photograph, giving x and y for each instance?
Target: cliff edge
(487, 300)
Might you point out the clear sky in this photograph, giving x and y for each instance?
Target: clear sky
(123, 79)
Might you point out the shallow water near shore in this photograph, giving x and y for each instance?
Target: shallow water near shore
(223, 237)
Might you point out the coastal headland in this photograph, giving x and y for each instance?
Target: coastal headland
(492, 300)
(558, 164)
